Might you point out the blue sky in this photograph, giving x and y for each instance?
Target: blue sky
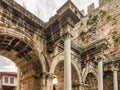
(44, 9)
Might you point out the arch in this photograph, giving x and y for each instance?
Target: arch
(90, 77)
(60, 58)
(57, 68)
(91, 82)
(25, 38)
(88, 70)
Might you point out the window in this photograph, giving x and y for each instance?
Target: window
(6, 80)
(12, 80)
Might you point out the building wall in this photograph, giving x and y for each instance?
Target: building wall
(105, 21)
(106, 26)
(9, 84)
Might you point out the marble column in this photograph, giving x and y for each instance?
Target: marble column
(67, 62)
(115, 77)
(100, 74)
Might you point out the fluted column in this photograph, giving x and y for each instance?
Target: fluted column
(115, 77)
(100, 74)
(67, 62)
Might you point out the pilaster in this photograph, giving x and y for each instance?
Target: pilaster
(49, 84)
(18, 79)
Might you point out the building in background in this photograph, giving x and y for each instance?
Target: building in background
(8, 81)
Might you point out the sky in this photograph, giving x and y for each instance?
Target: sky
(43, 9)
(7, 65)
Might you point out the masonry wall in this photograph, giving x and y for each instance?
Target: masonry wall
(101, 23)
(108, 80)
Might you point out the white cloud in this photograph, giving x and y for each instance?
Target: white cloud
(12, 68)
(44, 9)
(7, 65)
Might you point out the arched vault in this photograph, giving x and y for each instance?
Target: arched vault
(60, 58)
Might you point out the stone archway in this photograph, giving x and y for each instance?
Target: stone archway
(25, 38)
(91, 82)
(90, 78)
(57, 68)
(21, 49)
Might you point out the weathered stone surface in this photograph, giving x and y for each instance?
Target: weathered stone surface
(37, 48)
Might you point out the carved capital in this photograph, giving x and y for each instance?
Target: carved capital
(67, 36)
(67, 32)
(48, 75)
(100, 58)
(52, 76)
(115, 69)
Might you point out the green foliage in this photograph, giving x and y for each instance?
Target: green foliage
(89, 22)
(102, 13)
(108, 17)
(116, 38)
(81, 46)
(92, 20)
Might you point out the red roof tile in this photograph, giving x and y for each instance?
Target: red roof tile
(9, 73)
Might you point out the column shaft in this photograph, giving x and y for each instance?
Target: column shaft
(67, 64)
(100, 75)
(115, 79)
